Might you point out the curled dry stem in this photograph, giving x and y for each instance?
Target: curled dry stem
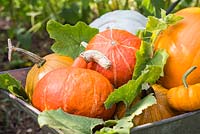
(96, 56)
(33, 57)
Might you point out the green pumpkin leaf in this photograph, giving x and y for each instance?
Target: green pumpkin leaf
(159, 59)
(137, 109)
(155, 24)
(124, 125)
(67, 123)
(9, 83)
(127, 92)
(172, 19)
(143, 56)
(68, 38)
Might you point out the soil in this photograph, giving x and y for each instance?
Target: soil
(14, 120)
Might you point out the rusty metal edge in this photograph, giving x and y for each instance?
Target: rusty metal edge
(165, 121)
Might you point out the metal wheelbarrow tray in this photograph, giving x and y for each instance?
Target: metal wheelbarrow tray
(187, 123)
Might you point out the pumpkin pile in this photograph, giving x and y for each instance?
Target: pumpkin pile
(108, 61)
(81, 91)
(82, 86)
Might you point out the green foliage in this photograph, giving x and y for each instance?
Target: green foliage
(33, 14)
(28, 18)
(71, 124)
(68, 38)
(187, 3)
(127, 92)
(152, 7)
(124, 125)
(9, 83)
(67, 123)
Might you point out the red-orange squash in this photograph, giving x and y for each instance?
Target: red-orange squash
(120, 47)
(52, 61)
(42, 66)
(75, 90)
(182, 42)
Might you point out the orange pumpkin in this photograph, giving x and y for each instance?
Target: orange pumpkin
(182, 42)
(75, 90)
(185, 97)
(42, 66)
(52, 61)
(120, 47)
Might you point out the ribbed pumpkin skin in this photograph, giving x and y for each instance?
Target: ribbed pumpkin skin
(184, 99)
(53, 61)
(182, 42)
(75, 90)
(120, 47)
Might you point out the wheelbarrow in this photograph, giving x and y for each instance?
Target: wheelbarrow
(187, 123)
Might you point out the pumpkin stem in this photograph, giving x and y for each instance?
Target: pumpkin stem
(33, 57)
(186, 74)
(84, 44)
(96, 56)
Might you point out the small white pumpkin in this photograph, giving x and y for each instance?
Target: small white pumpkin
(128, 20)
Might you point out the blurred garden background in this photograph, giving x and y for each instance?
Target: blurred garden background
(24, 22)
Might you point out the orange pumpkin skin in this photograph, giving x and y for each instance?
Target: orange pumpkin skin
(184, 99)
(182, 42)
(120, 47)
(53, 61)
(75, 90)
